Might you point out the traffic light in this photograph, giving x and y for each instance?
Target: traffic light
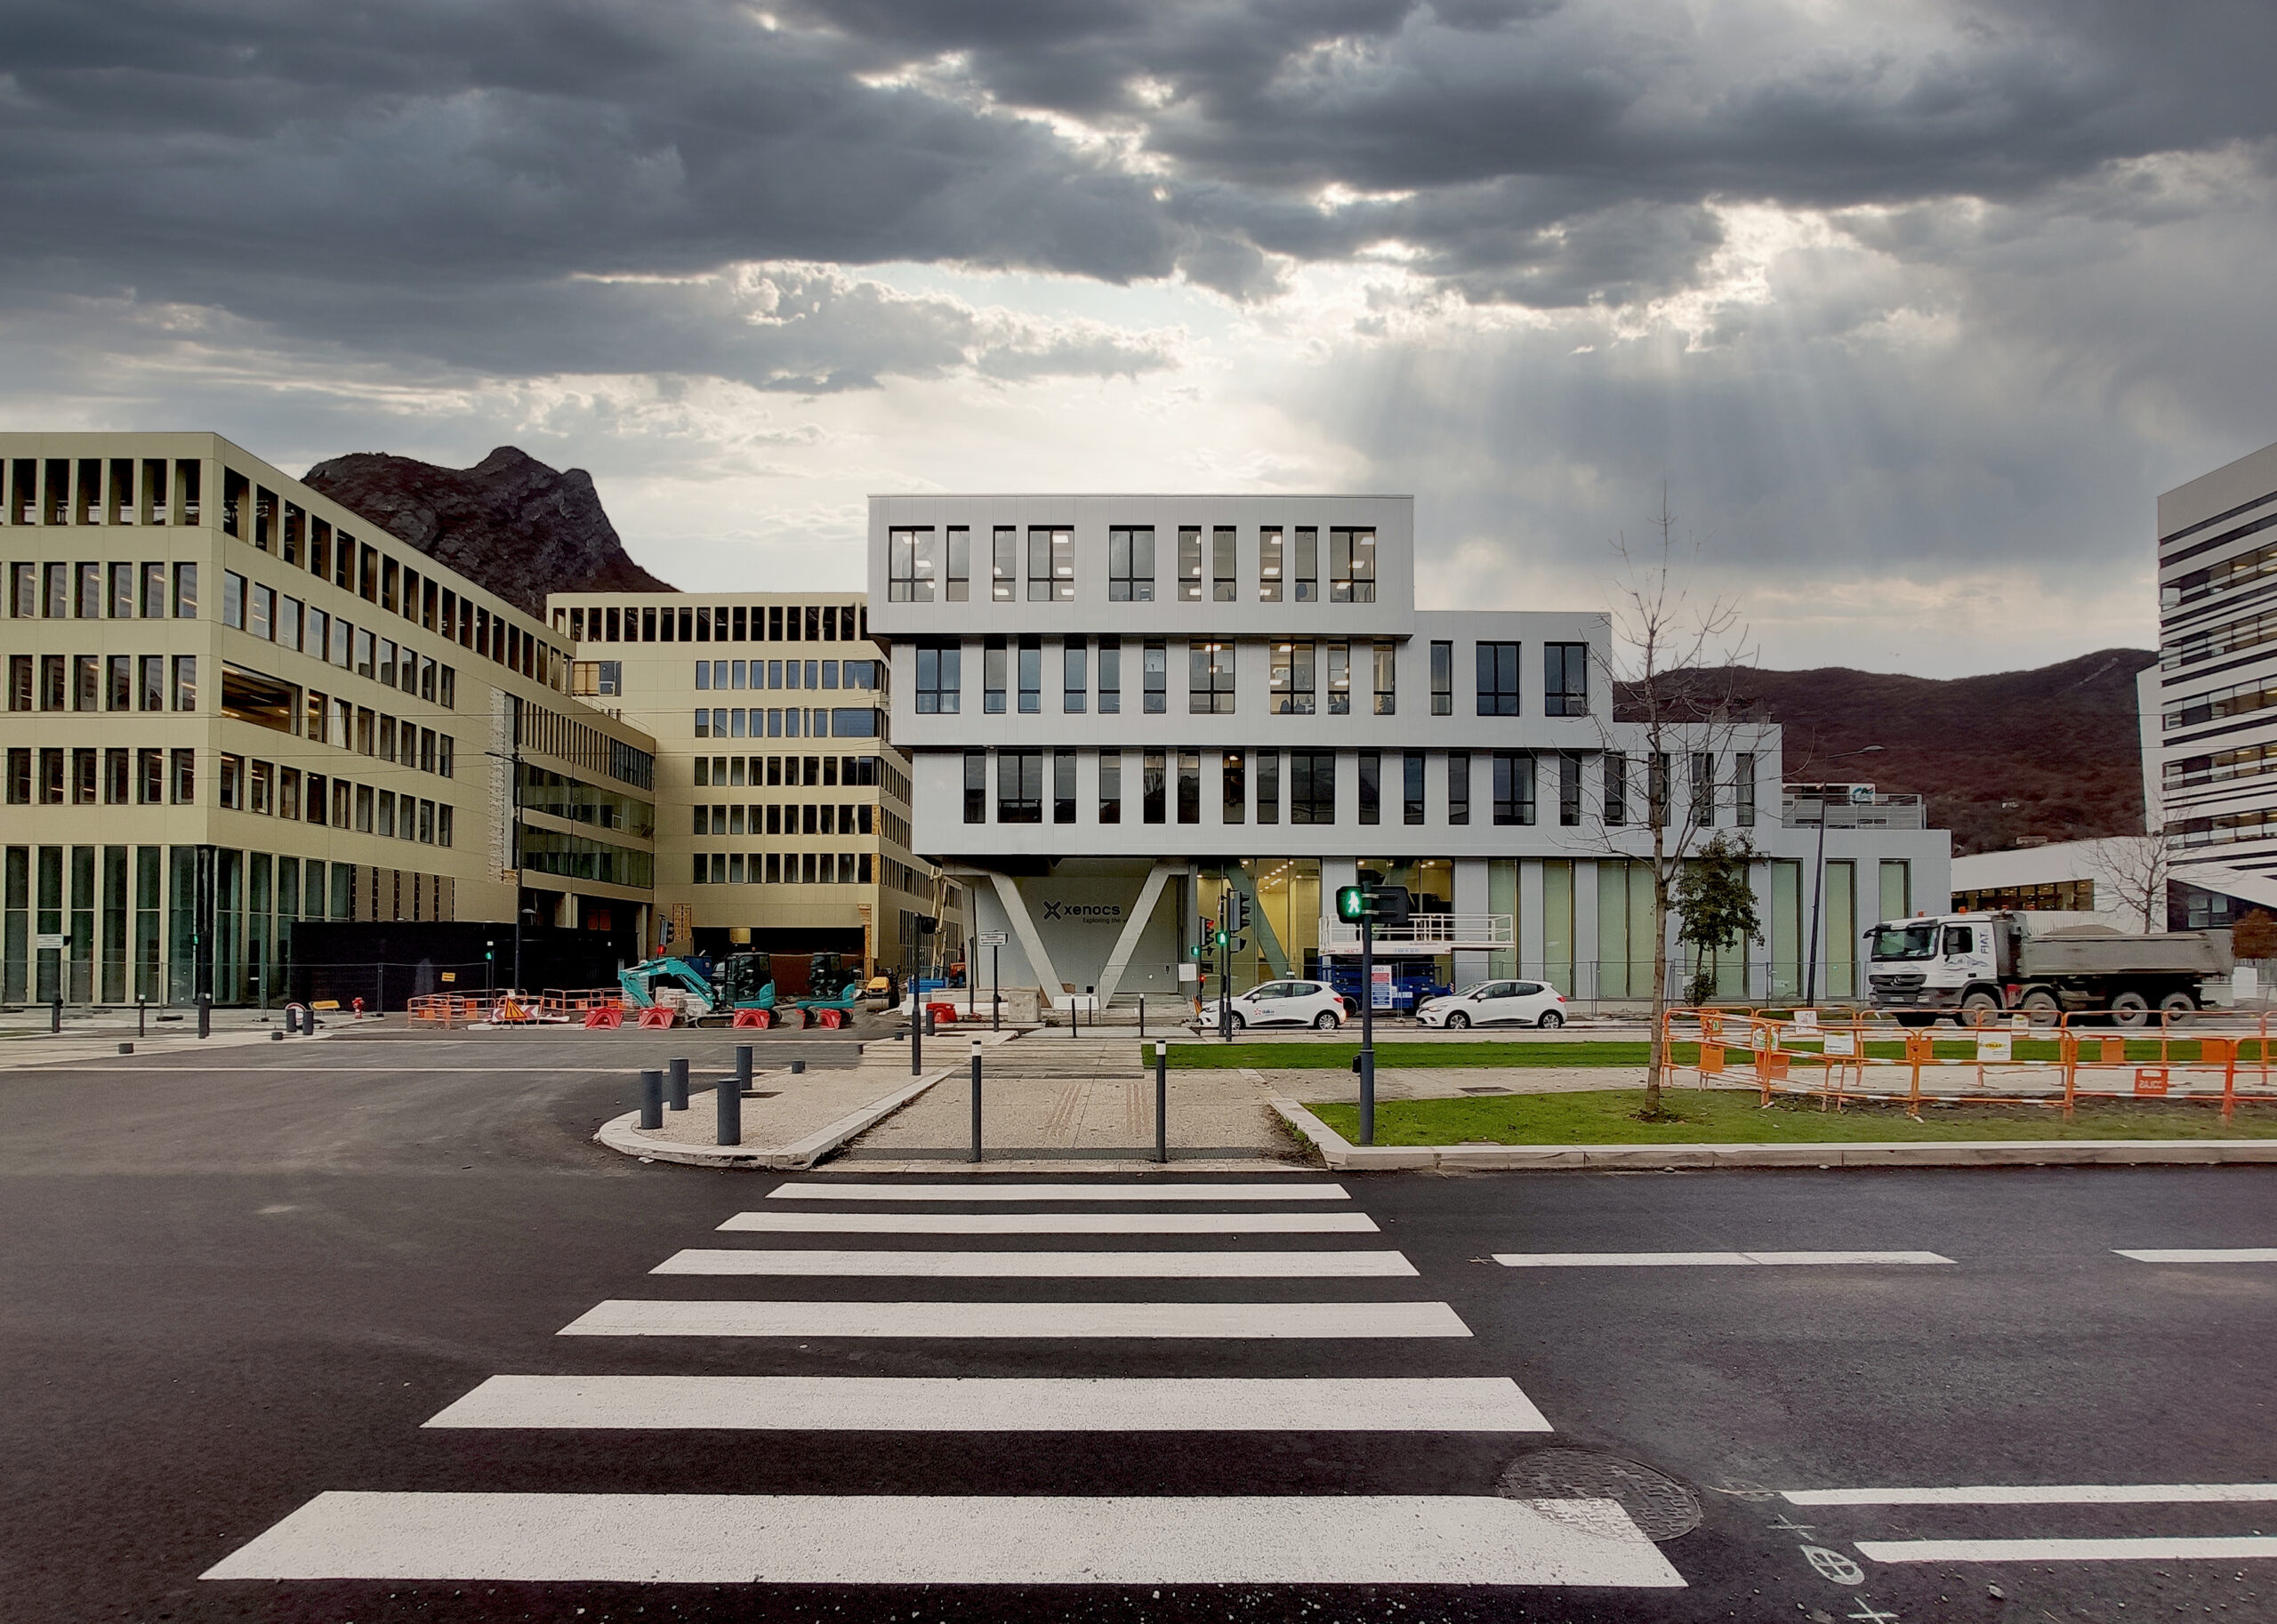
(1379, 904)
(1237, 913)
(1220, 936)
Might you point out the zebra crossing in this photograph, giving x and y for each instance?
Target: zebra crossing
(803, 1239)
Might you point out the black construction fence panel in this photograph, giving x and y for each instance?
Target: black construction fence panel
(387, 963)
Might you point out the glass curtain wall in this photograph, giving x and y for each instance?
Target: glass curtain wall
(1502, 897)
(1841, 911)
(1558, 925)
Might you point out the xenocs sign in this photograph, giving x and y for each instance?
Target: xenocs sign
(1084, 912)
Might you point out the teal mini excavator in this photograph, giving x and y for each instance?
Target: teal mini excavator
(743, 982)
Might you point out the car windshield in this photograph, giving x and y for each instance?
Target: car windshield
(1911, 941)
(1474, 989)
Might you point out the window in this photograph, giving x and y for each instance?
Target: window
(1269, 564)
(1153, 789)
(186, 591)
(909, 551)
(185, 682)
(958, 582)
(1291, 689)
(1131, 563)
(91, 592)
(1189, 563)
(1311, 786)
(150, 781)
(83, 775)
(1351, 566)
(994, 675)
(1569, 789)
(184, 777)
(1339, 679)
(229, 779)
(1155, 674)
(1743, 789)
(1233, 787)
(1410, 776)
(1704, 790)
(1020, 786)
(1222, 555)
(260, 611)
(86, 682)
(940, 678)
(1269, 787)
(20, 777)
(1073, 679)
(233, 599)
(154, 591)
(1459, 786)
(118, 683)
(118, 778)
(1004, 565)
(1372, 786)
(1564, 679)
(1616, 788)
(122, 592)
(1110, 786)
(1513, 786)
(53, 685)
(1190, 786)
(602, 678)
(1063, 786)
(1387, 679)
(1052, 564)
(1209, 678)
(51, 776)
(1308, 577)
(20, 682)
(1031, 676)
(1110, 676)
(1497, 678)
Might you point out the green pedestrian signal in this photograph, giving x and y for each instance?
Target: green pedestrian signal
(1351, 903)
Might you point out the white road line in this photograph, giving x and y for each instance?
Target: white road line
(2225, 1547)
(1655, 1260)
(623, 1317)
(2233, 1254)
(2042, 1494)
(965, 1539)
(1040, 1266)
(794, 1222)
(918, 1404)
(848, 1189)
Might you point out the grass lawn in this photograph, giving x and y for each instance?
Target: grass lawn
(1609, 1117)
(1268, 1055)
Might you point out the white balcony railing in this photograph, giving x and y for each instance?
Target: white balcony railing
(1424, 934)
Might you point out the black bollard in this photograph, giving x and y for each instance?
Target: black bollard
(141, 1017)
(976, 1101)
(743, 1068)
(931, 1016)
(731, 1111)
(916, 1043)
(206, 1015)
(55, 1017)
(1162, 1101)
(676, 1092)
(1142, 1017)
(798, 1067)
(652, 1099)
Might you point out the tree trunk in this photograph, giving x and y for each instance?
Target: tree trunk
(1659, 1060)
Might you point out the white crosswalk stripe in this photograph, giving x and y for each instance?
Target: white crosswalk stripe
(1043, 1266)
(972, 1404)
(2009, 1548)
(1668, 1261)
(561, 1534)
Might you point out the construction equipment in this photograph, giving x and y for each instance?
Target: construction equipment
(704, 995)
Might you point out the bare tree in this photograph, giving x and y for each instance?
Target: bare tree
(1674, 674)
(2136, 868)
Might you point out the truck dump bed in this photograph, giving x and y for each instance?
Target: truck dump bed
(2090, 949)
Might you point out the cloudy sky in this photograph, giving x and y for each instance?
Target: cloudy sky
(1914, 307)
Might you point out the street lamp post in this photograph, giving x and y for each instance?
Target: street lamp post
(1811, 945)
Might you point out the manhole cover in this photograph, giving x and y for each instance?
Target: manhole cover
(1659, 1505)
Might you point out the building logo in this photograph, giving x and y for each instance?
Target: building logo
(1084, 912)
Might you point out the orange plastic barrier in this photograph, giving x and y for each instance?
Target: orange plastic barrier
(831, 1019)
(760, 1018)
(609, 1018)
(943, 1013)
(509, 1011)
(656, 1017)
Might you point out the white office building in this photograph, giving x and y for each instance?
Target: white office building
(2209, 706)
(1117, 707)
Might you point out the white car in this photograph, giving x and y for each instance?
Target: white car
(1289, 1003)
(1529, 1003)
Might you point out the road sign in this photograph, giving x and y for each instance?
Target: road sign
(51, 941)
(991, 939)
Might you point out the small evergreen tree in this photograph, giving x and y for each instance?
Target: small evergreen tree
(1716, 902)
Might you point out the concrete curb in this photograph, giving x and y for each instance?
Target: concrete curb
(1340, 1154)
(621, 1134)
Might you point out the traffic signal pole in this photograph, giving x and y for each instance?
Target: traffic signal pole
(1367, 1028)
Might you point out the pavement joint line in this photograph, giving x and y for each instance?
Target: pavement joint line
(833, 1264)
(992, 1404)
(798, 1189)
(2042, 1494)
(1579, 1260)
(2232, 1254)
(2153, 1547)
(1183, 1321)
(950, 1539)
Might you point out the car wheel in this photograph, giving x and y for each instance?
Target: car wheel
(1459, 1021)
(1325, 1022)
(1239, 1024)
(1550, 1020)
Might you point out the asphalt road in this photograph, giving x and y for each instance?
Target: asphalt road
(227, 1290)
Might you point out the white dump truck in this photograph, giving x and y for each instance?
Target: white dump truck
(1972, 965)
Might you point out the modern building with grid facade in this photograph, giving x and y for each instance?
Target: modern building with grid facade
(785, 821)
(235, 706)
(1117, 707)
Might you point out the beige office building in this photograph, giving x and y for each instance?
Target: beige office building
(782, 811)
(232, 697)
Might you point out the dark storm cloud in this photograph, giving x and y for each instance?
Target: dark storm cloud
(431, 178)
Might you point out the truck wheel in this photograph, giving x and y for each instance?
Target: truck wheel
(2131, 1009)
(1976, 1007)
(2177, 1004)
(2042, 1009)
